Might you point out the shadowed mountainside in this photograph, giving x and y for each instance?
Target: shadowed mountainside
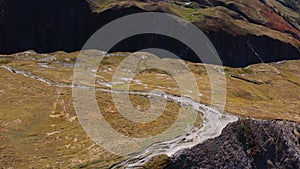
(243, 32)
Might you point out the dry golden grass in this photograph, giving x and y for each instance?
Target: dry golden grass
(39, 127)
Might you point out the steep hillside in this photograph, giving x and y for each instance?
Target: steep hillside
(39, 127)
(244, 32)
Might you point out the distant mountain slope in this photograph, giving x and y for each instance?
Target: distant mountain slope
(243, 32)
(280, 15)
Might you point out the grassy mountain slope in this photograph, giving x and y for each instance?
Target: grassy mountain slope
(39, 127)
(278, 19)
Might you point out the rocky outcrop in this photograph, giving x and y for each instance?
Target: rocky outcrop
(246, 144)
(52, 25)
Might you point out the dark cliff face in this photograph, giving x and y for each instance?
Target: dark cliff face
(249, 144)
(52, 25)
(47, 25)
(241, 51)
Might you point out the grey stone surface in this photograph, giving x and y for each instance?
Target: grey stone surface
(246, 144)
